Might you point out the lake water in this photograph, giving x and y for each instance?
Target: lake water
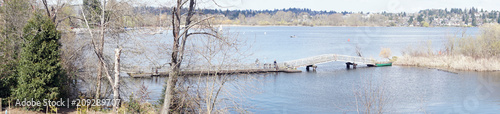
(335, 89)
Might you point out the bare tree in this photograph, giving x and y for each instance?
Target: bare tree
(385, 53)
(358, 51)
(222, 54)
(110, 24)
(203, 94)
(179, 45)
(370, 97)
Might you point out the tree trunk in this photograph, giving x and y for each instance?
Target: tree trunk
(99, 75)
(116, 86)
(169, 92)
(174, 69)
(177, 51)
(101, 52)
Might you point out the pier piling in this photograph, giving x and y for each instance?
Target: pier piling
(313, 66)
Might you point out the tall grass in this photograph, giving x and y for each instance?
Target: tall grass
(484, 45)
(421, 49)
(480, 53)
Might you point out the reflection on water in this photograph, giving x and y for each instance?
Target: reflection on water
(332, 88)
(408, 90)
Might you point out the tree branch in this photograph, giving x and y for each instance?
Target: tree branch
(203, 33)
(60, 20)
(46, 8)
(101, 60)
(217, 94)
(196, 23)
(217, 4)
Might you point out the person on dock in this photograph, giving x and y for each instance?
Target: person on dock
(156, 71)
(257, 62)
(275, 64)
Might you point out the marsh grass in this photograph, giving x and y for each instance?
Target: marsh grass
(480, 53)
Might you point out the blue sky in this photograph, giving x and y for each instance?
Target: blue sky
(349, 5)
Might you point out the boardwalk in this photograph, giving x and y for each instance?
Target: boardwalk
(287, 66)
(320, 59)
(191, 70)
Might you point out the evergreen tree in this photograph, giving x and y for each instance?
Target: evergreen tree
(474, 23)
(14, 14)
(466, 19)
(420, 18)
(39, 70)
(410, 21)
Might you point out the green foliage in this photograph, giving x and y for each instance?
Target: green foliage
(136, 106)
(14, 13)
(466, 19)
(410, 21)
(420, 18)
(394, 58)
(92, 9)
(424, 24)
(431, 19)
(39, 71)
(133, 105)
(8, 76)
(393, 24)
(474, 23)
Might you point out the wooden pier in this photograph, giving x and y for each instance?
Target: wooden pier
(221, 72)
(287, 66)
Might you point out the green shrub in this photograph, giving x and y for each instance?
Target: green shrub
(135, 106)
(39, 71)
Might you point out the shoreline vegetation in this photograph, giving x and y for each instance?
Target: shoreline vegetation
(151, 28)
(447, 17)
(455, 17)
(450, 62)
(480, 53)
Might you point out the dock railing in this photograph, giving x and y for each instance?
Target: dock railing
(329, 58)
